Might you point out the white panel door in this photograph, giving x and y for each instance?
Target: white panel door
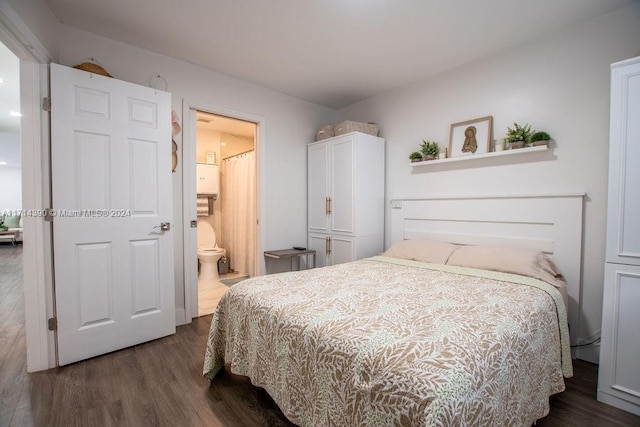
(342, 249)
(318, 243)
(332, 249)
(342, 180)
(111, 179)
(318, 186)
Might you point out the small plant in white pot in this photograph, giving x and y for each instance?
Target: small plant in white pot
(416, 156)
(540, 138)
(519, 135)
(430, 149)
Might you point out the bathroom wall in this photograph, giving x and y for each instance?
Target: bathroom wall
(209, 141)
(233, 144)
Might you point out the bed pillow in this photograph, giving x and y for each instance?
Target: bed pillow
(422, 250)
(525, 262)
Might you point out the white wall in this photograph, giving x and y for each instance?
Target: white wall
(11, 194)
(558, 83)
(41, 22)
(289, 125)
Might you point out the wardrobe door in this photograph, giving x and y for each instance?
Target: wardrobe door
(342, 177)
(619, 373)
(318, 187)
(623, 227)
(320, 244)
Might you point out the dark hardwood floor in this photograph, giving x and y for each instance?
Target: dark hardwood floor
(161, 383)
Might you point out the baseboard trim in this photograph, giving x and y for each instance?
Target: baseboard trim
(609, 399)
(589, 353)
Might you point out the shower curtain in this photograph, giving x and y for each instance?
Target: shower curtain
(238, 198)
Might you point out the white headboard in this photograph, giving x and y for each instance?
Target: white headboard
(549, 223)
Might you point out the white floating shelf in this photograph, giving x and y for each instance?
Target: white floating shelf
(492, 154)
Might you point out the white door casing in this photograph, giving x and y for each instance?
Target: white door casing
(111, 186)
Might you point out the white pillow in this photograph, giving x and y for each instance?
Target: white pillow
(422, 250)
(525, 262)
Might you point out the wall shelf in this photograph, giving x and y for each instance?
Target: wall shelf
(512, 152)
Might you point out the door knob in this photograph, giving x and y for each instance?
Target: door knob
(164, 226)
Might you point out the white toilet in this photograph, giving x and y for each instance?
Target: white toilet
(208, 252)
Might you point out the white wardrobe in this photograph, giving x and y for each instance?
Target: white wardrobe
(346, 198)
(619, 371)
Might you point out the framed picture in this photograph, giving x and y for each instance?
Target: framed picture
(470, 137)
(210, 157)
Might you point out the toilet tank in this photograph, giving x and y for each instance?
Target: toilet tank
(208, 179)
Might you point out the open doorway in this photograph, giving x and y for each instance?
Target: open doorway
(10, 159)
(33, 149)
(226, 205)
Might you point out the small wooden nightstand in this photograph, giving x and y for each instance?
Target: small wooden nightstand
(293, 254)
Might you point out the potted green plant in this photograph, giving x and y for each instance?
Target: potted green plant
(519, 135)
(416, 156)
(540, 138)
(430, 149)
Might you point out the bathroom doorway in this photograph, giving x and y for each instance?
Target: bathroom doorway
(226, 205)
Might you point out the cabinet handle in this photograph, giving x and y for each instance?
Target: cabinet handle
(327, 248)
(327, 205)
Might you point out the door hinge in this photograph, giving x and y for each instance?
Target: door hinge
(193, 224)
(52, 323)
(48, 215)
(46, 103)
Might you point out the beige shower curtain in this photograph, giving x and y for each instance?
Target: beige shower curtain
(238, 197)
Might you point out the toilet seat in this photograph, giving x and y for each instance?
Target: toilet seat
(211, 251)
(208, 252)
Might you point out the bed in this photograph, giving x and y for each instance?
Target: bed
(429, 333)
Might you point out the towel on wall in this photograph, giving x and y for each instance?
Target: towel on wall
(203, 206)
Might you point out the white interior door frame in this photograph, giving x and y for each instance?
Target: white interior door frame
(188, 163)
(37, 249)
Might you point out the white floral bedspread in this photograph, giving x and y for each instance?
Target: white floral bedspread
(383, 341)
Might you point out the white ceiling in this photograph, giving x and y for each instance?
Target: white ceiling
(330, 52)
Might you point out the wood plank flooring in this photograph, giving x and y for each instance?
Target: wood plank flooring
(160, 383)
